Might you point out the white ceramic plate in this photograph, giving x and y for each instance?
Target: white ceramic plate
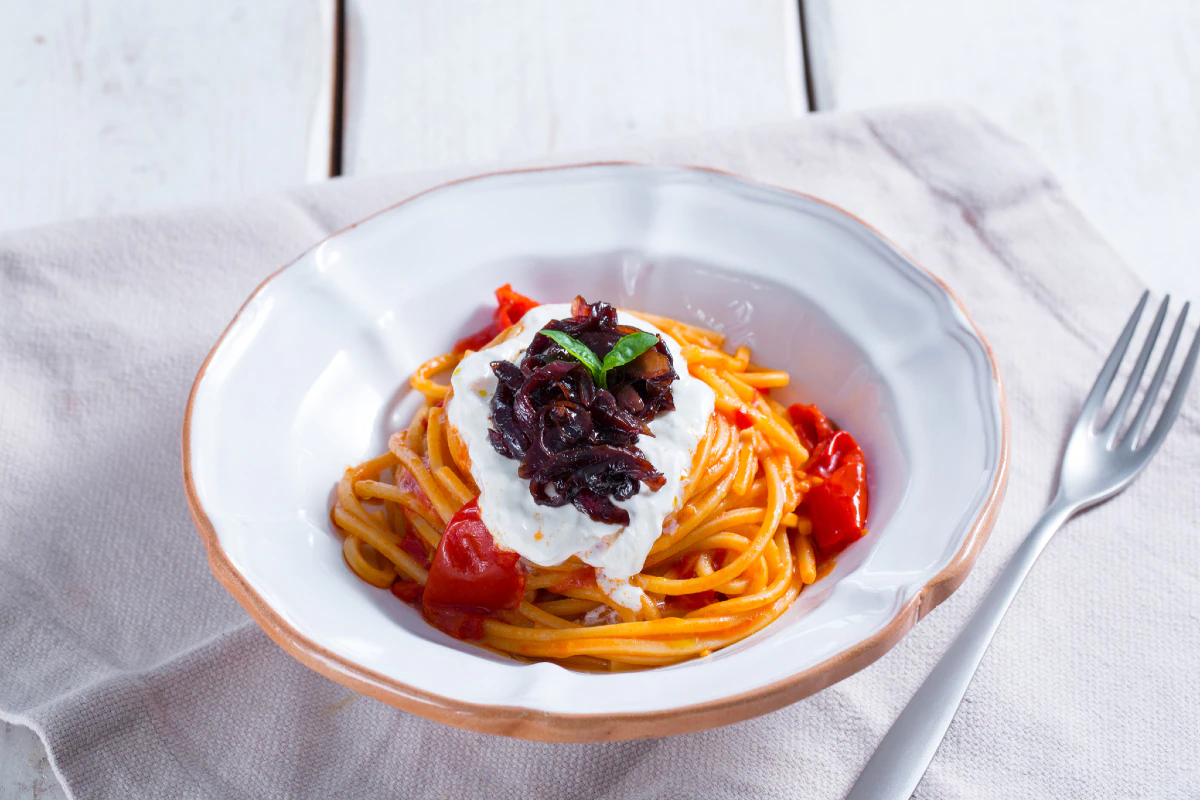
(311, 376)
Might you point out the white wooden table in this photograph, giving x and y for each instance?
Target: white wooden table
(110, 106)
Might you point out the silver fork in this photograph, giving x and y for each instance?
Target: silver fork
(1099, 462)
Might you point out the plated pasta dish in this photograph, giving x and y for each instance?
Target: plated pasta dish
(604, 488)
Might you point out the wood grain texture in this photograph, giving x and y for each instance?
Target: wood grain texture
(439, 84)
(128, 105)
(1108, 93)
(25, 772)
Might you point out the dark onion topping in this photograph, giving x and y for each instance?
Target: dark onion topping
(577, 442)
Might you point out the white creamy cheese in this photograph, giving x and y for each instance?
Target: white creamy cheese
(549, 536)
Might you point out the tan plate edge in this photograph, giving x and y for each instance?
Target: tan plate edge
(549, 727)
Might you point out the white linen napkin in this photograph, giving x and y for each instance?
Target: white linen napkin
(146, 680)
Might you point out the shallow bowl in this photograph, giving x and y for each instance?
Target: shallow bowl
(312, 375)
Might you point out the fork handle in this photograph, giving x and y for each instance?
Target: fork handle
(895, 769)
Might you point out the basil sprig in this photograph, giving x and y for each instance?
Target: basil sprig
(625, 350)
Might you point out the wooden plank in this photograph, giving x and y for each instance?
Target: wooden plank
(125, 105)
(438, 84)
(1107, 93)
(25, 772)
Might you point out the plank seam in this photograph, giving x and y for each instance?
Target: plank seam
(806, 63)
(338, 99)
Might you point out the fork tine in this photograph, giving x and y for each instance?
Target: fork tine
(1156, 383)
(1113, 426)
(1095, 398)
(1171, 409)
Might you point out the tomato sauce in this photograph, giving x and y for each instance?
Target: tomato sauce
(686, 570)
(415, 548)
(690, 602)
(576, 580)
(407, 590)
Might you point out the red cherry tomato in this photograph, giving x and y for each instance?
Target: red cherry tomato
(811, 425)
(510, 307)
(832, 453)
(838, 507)
(470, 575)
(742, 419)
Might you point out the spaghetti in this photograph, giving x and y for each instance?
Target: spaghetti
(773, 494)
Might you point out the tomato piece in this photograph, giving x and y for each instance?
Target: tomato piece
(838, 507)
(836, 515)
(812, 427)
(470, 574)
(742, 419)
(835, 451)
(510, 307)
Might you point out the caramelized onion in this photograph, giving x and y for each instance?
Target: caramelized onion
(577, 442)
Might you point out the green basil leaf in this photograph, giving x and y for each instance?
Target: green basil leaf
(628, 348)
(581, 352)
